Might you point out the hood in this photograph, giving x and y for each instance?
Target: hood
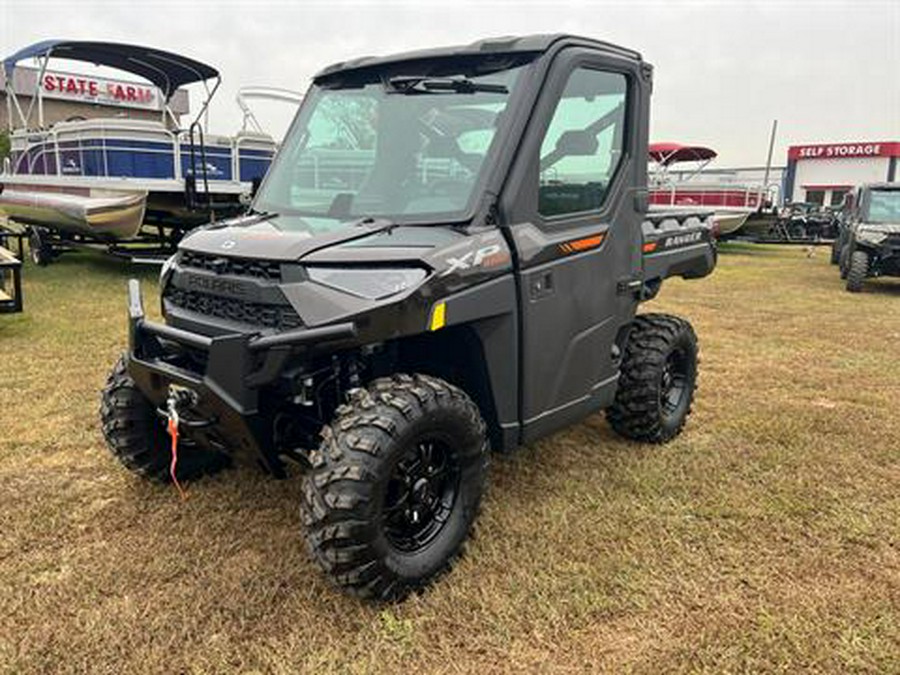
(280, 238)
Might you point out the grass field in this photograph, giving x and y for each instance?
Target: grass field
(765, 539)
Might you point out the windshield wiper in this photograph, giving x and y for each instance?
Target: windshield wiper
(376, 224)
(428, 85)
(237, 221)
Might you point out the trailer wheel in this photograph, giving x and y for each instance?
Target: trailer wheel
(395, 485)
(857, 271)
(39, 247)
(137, 436)
(657, 380)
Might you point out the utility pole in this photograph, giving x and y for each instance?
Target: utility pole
(769, 158)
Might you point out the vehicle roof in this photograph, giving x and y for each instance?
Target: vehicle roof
(880, 186)
(510, 45)
(166, 70)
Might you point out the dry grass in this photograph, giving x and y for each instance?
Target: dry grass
(766, 538)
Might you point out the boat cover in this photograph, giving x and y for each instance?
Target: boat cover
(166, 70)
(670, 153)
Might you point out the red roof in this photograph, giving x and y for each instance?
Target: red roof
(670, 153)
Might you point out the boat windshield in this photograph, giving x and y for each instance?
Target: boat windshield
(884, 207)
(407, 149)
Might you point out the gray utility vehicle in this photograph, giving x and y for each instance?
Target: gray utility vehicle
(869, 240)
(445, 257)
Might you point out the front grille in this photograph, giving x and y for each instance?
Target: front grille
(279, 317)
(239, 267)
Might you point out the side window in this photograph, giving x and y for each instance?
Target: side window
(583, 144)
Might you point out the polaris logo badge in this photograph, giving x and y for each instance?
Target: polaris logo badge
(229, 244)
(682, 239)
(217, 286)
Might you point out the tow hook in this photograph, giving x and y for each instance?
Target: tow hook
(179, 398)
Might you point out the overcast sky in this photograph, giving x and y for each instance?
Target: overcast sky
(828, 71)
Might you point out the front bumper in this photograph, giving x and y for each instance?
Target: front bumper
(227, 387)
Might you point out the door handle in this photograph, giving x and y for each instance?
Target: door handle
(632, 285)
(541, 285)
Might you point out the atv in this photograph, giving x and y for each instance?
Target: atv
(445, 259)
(870, 239)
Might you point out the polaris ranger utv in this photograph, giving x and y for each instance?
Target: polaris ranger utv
(445, 257)
(869, 240)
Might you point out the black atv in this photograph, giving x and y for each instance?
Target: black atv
(870, 238)
(445, 258)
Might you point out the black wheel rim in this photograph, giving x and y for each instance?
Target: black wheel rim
(421, 494)
(674, 382)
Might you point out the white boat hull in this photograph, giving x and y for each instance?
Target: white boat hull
(728, 221)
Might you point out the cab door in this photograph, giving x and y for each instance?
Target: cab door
(576, 197)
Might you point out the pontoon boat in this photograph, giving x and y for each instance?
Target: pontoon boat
(117, 180)
(733, 203)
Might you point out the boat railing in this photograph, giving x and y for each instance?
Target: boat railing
(191, 184)
(137, 149)
(69, 148)
(688, 193)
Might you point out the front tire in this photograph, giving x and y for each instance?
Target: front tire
(395, 485)
(657, 380)
(137, 436)
(857, 271)
(844, 261)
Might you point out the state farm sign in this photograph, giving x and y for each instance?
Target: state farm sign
(844, 150)
(100, 90)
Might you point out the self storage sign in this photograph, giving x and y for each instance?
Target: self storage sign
(843, 150)
(99, 90)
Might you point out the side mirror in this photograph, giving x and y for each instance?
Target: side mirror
(577, 143)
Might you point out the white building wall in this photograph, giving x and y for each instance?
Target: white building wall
(851, 172)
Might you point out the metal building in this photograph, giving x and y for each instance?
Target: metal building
(824, 173)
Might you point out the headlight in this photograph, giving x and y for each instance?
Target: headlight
(871, 236)
(369, 283)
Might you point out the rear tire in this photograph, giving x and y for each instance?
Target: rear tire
(137, 437)
(395, 486)
(857, 271)
(657, 380)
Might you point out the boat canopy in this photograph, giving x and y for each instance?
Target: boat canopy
(166, 70)
(672, 153)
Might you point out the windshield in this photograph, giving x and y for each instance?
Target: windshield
(884, 206)
(408, 149)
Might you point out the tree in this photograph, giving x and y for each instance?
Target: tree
(4, 145)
